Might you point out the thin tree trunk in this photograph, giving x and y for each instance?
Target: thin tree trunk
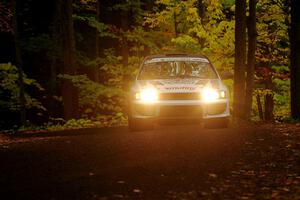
(269, 107)
(69, 92)
(149, 6)
(124, 43)
(96, 70)
(295, 58)
(201, 13)
(53, 89)
(19, 65)
(240, 60)
(175, 24)
(54, 70)
(259, 107)
(201, 9)
(251, 57)
(269, 101)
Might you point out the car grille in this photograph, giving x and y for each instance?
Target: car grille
(180, 111)
(180, 96)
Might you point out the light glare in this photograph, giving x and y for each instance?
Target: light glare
(210, 94)
(149, 95)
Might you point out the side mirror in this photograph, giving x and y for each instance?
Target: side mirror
(226, 75)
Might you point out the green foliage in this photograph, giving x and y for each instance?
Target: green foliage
(108, 99)
(94, 97)
(38, 43)
(9, 89)
(281, 95)
(93, 22)
(272, 34)
(134, 7)
(212, 35)
(60, 124)
(186, 43)
(141, 39)
(282, 99)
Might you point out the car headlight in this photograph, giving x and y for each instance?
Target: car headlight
(211, 95)
(148, 95)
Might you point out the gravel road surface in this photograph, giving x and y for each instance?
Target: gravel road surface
(170, 162)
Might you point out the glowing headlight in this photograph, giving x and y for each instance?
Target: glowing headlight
(210, 94)
(148, 95)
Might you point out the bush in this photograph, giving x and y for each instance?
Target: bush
(10, 91)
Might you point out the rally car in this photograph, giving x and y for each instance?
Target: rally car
(178, 86)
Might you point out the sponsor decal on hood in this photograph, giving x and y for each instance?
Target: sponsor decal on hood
(180, 85)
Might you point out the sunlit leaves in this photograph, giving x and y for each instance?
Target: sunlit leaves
(173, 12)
(85, 5)
(141, 39)
(272, 29)
(212, 35)
(186, 43)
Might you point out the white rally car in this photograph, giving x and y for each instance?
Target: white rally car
(178, 86)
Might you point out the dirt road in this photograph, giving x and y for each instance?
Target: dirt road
(171, 162)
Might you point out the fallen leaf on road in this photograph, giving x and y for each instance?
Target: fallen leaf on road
(121, 182)
(136, 191)
(212, 175)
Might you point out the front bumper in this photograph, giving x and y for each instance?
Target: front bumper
(180, 109)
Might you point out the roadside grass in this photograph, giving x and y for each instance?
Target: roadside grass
(59, 124)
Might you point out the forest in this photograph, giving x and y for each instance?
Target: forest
(70, 63)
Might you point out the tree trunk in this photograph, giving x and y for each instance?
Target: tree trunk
(240, 60)
(96, 55)
(53, 107)
(124, 43)
(201, 9)
(201, 13)
(259, 107)
(269, 107)
(295, 58)
(251, 57)
(175, 24)
(54, 69)
(19, 65)
(69, 92)
(149, 7)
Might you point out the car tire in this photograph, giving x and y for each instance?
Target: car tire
(140, 124)
(216, 123)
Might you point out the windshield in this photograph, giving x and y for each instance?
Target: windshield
(177, 69)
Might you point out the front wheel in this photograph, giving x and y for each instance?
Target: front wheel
(140, 124)
(216, 123)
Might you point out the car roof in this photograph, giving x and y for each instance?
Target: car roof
(175, 55)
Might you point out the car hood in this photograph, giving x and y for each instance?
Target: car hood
(179, 85)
